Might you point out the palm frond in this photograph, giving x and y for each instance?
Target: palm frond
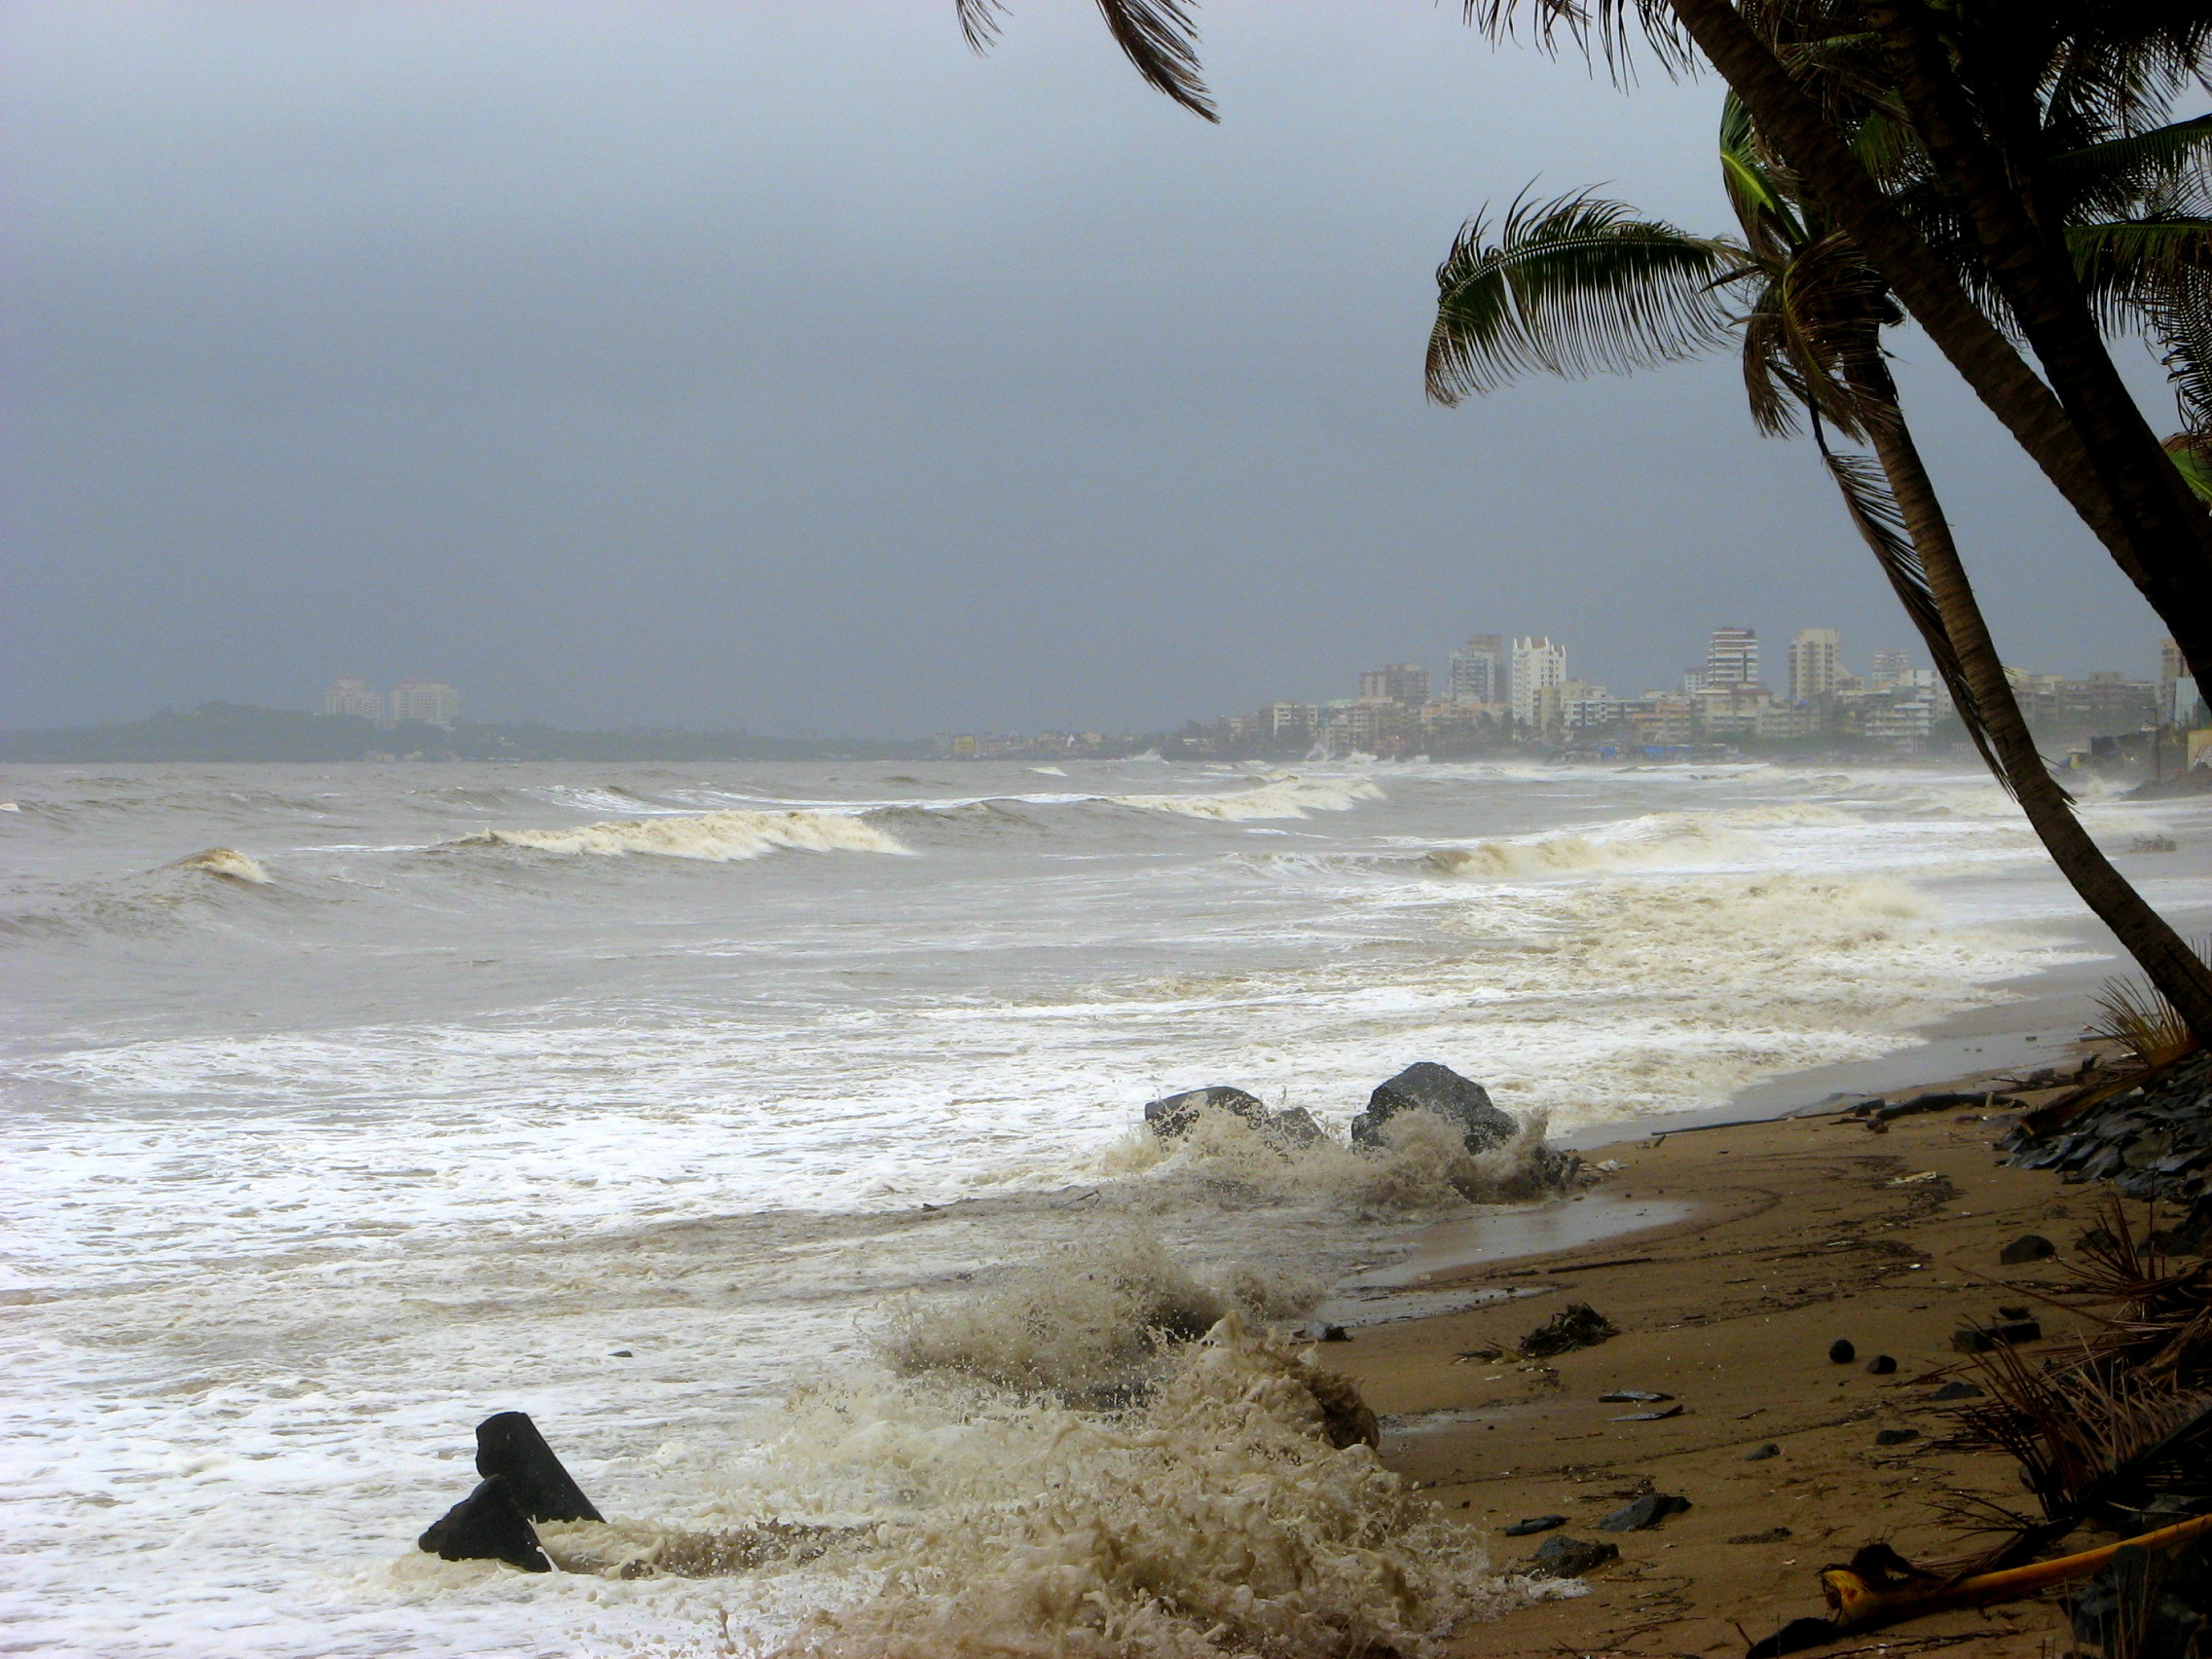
(2109, 175)
(1157, 36)
(1880, 523)
(1573, 287)
(1602, 30)
(2192, 457)
(2137, 1016)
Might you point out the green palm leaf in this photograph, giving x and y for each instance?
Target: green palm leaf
(1574, 287)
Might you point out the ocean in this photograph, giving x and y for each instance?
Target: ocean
(674, 1105)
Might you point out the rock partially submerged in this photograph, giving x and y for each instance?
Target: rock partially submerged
(510, 1448)
(487, 1525)
(1564, 1557)
(1429, 1086)
(1172, 1117)
(523, 1482)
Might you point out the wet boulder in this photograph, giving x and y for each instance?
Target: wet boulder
(1429, 1086)
(1173, 1115)
(487, 1525)
(510, 1449)
(1292, 1128)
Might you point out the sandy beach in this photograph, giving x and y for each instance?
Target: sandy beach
(1766, 1244)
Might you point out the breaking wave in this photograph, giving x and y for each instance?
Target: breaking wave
(1656, 840)
(1278, 797)
(1082, 1320)
(719, 838)
(1214, 1518)
(227, 863)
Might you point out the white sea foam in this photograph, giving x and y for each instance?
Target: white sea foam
(1288, 797)
(1215, 1519)
(717, 836)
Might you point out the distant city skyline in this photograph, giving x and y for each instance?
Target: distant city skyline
(572, 369)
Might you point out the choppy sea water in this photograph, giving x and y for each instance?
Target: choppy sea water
(346, 1105)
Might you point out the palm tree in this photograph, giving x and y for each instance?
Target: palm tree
(1975, 81)
(1581, 285)
(1989, 88)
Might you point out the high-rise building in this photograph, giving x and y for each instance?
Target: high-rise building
(1478, 670)
(353, 697)
(1535, 664)
(1889, 669)
(1732, 658)
(1400, 682)
(426, 700)
(1816, 664)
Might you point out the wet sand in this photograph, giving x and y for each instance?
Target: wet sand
(1766, 1243)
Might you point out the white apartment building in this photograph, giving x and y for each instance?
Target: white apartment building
(428, 700)
(353, 697)
(1889, 670)
(1816, 664)
(1536, 663)
(1732, 658)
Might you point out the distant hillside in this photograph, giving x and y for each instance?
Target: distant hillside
(238, 732)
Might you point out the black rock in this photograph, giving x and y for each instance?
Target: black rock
(1841, 1351)
(1578, 1325)
(1564, 1557)
(1331, 1334)
(2012, 1314)
(1881, 1365)
(1535, 1524)
(1648, 1510)
(1761, 1453)
(1437, 1088)
(1659, 1415)
(1957, 1391)
(2028, 1247)
(1632, 1397)
(1972, 1340)
(1172, 1116)
(2018, 1331)
(1895, 1436)
(1293, 1125)
(510, 1447)
(487, 1525)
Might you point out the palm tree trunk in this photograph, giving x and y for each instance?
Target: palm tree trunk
(2035, 272)
(2166, 557)
(2176, 970)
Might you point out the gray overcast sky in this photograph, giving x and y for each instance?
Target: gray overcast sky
(779, 363)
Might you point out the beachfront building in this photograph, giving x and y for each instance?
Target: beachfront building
(429, 701)
(353, 697)
(1816, 665)
(1732, 658)
(1536, 663)
(1889, 670)
(1478, 670)
(1400, 682)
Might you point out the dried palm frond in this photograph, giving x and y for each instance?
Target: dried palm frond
(2137, 1016)
(2159, 1323)
(2092, 1444)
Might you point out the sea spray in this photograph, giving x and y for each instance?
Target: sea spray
(1212, 1519)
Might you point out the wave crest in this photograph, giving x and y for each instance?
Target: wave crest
(228, 863)
(719, 838)
(1655, 841)
(1288, 797)
(1213, 1517)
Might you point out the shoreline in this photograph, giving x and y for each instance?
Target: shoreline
(1766, 1240)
